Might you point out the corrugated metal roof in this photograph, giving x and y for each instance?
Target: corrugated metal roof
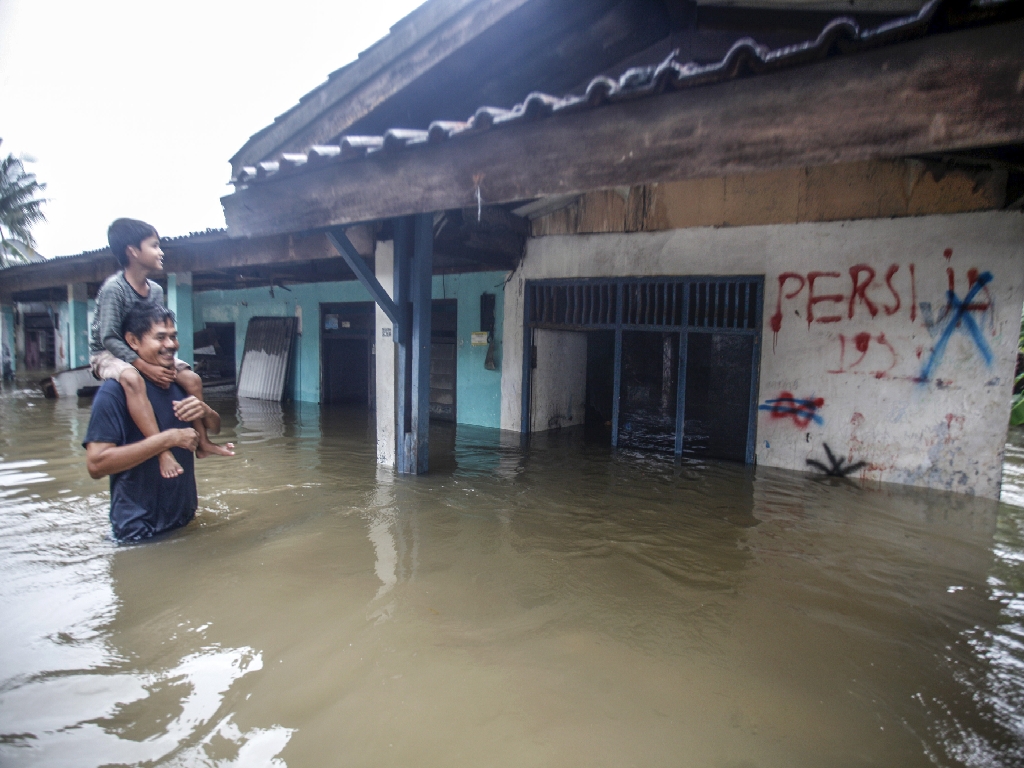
(746, 57)
(268, 347)
(204, 236)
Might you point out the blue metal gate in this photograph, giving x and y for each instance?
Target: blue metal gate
(686, 305)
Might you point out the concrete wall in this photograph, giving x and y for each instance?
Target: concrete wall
(859, 327)
(559, 382)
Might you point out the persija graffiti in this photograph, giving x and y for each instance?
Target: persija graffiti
(848, 302)
(863, 293)
(956, 315)
(802, 412)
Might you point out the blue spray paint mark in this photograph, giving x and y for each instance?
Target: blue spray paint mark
(802, 411)
(959, 318)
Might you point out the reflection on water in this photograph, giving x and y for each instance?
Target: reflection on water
(553, 605)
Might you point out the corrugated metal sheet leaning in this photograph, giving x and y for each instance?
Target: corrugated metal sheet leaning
(268, 348)
(746, 57)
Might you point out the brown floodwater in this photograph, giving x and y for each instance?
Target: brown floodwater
(555, 605)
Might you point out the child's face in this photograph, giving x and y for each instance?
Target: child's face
(148, 254)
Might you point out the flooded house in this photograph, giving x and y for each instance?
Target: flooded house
(767, 232)
(507, 238)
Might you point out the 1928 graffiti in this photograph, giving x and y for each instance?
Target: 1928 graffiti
(852, 296)
(878, 363)
(865, 293)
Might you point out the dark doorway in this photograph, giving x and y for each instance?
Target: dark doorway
(40, 349)
(444, 323)
(718, 373)
(214, 350)
(600, 385)
(671, 362)
(647, 405)
(348, 372)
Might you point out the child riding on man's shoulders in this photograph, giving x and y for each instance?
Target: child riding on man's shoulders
(136, 246)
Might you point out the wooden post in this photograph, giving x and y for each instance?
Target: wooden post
(422, 267)
(681, 376)
(617, 383)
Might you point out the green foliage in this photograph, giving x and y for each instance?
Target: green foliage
(20, 209)
(1017, 411)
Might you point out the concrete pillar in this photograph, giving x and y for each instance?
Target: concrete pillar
(78, 325)
(179, 301)
(7, 356)
(384, 344)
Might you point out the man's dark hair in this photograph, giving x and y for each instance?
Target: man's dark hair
(143, 316)
(125, 232)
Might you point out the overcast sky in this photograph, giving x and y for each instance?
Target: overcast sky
(133, 107)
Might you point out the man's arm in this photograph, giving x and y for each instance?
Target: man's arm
(102, 459)
(192, 408)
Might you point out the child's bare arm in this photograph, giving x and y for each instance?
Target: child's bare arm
(158, 374)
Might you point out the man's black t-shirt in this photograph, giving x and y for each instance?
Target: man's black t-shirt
(142, 503)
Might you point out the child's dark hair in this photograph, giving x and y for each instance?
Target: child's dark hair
(143, 316)
(125, 232)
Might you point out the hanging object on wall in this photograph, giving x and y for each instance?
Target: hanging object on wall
(268, 350)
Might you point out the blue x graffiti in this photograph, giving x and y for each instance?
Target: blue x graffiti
(958, 316)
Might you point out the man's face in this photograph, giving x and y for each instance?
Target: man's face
(157, 345)
(149, 254)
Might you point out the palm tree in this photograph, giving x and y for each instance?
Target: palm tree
(20, 209)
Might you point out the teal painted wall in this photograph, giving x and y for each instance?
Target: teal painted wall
(78, 333)
(179, 301)
(8, 362)
(238, 306)
(478, 391)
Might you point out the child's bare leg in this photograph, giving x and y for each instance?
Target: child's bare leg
(193, 385)
(141, 411)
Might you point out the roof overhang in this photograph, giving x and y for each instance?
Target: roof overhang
(941, 93)
(208, 257)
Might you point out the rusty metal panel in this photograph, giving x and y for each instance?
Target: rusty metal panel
(268, 348)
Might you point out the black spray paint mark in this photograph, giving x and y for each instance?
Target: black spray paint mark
(837, 469)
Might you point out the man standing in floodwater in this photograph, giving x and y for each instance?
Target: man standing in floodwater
(142, 502)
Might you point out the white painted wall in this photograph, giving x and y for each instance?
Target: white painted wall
(859, 370)
(559, 388)
(384, 264)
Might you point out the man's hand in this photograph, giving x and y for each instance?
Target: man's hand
(190, 409)
(186, 438)
(159, 375)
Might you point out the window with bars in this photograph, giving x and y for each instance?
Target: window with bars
(713, 303)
